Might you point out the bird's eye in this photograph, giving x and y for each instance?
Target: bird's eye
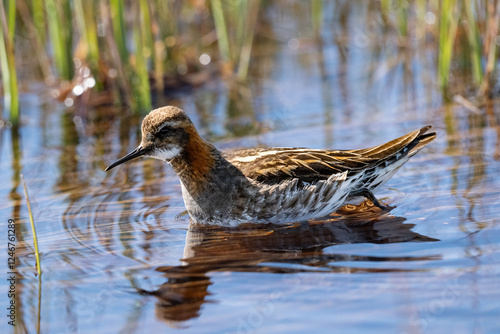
(166, 131)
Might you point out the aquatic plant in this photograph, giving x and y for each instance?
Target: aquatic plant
(133, 48)
(461, 32)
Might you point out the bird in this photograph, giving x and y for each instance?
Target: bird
(267, 185)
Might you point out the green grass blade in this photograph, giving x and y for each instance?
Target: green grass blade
(159, 56)
(11, 18)
(447, 31)
(492, 54)
(60, 45)
(317, 15)
(146, 33)
(246, 49)
(140, 84)
(8, 66)
(220, 27)
(474, 42)
(33, 230)
(39, 19)
(118, 22)
(6, 73)
(87, 27)
(38, 39)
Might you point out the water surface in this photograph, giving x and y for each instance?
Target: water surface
(118, 255)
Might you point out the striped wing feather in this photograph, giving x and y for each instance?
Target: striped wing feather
(273, 165)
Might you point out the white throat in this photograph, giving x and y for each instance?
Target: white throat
(166, 154)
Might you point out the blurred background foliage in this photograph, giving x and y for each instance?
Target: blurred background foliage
(122, 52)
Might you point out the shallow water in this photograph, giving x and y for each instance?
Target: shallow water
(118, 255)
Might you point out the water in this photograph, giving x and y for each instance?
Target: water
(118, 255)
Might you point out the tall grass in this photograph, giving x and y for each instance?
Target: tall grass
(447, 30)
(119, 31)
(87, 26)
(220, 26)
(129, 44)
(474, 41)
(490, 46)
(60, 30)
(244, 61)
(461, 33)
(11, 18)
(143, 46)
(7, 61)
(39, 19)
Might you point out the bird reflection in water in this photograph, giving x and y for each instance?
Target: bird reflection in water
(295, 247)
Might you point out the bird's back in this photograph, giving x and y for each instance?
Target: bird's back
(275, 165)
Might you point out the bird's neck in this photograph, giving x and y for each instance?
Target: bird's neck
(195, 163)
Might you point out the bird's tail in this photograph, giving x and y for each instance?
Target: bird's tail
(411, 142)
(389, 157)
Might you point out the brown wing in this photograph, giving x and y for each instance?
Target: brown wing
(272, 165)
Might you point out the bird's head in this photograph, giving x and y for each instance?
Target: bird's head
(166, 132)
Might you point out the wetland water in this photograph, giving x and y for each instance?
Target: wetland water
(118, 255)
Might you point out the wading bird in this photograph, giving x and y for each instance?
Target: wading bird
(274, 185)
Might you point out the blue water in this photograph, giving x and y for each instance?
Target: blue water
(118, 256)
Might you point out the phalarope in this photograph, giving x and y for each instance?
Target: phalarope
(267, 184)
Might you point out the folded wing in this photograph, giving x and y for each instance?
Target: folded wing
(273, 165)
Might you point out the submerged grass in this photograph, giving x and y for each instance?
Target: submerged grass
(157, 39)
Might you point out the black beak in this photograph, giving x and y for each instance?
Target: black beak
(139, 151)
